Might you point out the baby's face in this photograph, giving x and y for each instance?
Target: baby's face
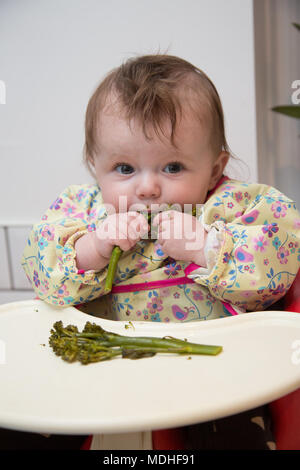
(153, 171)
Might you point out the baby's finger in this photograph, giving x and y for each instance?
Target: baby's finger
(123, 231)
(135, 219)
(125, 245)
(139, 225)
(134, 214)
(164, 233)
(123, 240)
(126, 217)
(133, 235)
(127, 237)
(166, 225)
(165, 215)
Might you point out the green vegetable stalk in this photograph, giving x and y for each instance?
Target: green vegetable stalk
(94, 344)
(114, 259)
(112, 267)
(113, 263)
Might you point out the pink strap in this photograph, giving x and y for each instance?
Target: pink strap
(151, 285)
(191, 267)
(157, 284)
(229, 308)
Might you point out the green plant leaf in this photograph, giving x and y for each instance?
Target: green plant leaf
(288, 110)
(297, 25)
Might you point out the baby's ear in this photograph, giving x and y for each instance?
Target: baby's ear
(90, 165)
(218, 169)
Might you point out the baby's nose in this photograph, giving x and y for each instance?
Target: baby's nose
(148, 188)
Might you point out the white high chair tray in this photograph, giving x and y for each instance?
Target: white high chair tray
(41, 393)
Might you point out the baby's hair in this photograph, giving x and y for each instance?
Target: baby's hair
(151, 89)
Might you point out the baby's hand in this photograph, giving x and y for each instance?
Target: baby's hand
(181, 236)
(123, 229)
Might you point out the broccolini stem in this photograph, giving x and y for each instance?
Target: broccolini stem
(114, 259)
(95, 344)
(112, 267)
(182, 347)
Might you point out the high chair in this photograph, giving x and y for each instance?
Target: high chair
(285, 412)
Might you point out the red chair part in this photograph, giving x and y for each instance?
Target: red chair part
(292, 297)
(285, 414)
(168, 439)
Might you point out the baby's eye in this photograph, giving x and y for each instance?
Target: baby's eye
(124, 169)
(174, 167)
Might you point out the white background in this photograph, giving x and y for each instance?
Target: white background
(54, 53)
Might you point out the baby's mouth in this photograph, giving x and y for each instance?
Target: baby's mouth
(159, 207)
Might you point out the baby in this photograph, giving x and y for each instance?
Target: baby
(155, 138)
